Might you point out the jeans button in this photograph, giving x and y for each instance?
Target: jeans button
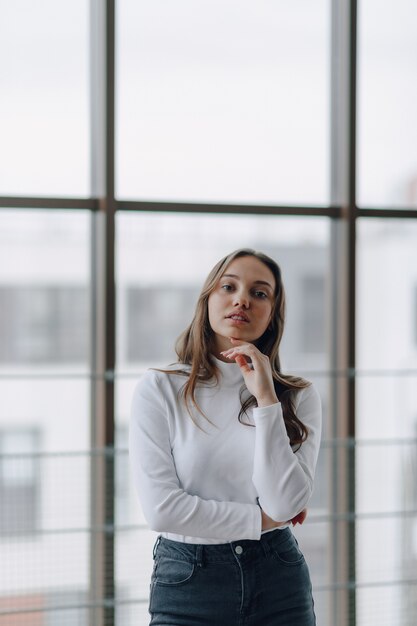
(238, 549)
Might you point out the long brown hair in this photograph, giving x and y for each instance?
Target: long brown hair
(194, 347)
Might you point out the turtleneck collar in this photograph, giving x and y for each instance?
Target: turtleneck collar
(230, 372)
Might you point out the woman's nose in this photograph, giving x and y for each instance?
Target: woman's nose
(241, 299)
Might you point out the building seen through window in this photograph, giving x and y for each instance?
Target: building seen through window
(43, 324)
(20, 488)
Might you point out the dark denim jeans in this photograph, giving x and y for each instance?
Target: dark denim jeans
(242, 583)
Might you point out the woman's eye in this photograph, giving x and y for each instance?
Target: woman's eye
(227, 287)
(260, 294)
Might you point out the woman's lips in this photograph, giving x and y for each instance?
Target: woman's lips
(237, 319)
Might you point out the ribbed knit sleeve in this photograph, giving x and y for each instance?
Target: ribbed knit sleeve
(284, 479)
(166, 506)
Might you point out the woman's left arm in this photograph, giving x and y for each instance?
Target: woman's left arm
(283, 479)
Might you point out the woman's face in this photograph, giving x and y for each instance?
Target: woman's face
(240, 306)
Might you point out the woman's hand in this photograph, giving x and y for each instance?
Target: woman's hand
(268, 523)
(299, 519)
(258, 380)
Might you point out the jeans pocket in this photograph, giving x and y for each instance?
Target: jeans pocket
(168, 571)
(288, 552)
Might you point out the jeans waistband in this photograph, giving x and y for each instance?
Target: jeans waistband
(217, 553)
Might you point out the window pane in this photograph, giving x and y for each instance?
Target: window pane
(162, 261)
(386, 421)
(387, 281)
(44, 416)
(44, 104)
(44, 288)
(387, 104)
(223, 103)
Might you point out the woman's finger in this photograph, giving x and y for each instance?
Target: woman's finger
(244, 348)
(242, 362)
(299, 519)
(248, 350)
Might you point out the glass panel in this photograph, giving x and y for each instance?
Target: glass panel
(223, 104)
(387, 102)
(44, 105)
(44, 289)
(386, 571)
(387, 284)
(386, 425)
(162, 261)
(44, 416)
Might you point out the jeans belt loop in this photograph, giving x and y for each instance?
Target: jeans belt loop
(265, 544)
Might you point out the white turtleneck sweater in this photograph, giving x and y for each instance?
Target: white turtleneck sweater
(200, 485)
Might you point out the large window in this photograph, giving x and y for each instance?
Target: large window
(140, 142)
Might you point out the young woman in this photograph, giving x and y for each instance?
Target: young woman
(223, 450)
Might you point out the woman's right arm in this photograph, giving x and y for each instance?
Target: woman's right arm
(166, 506)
